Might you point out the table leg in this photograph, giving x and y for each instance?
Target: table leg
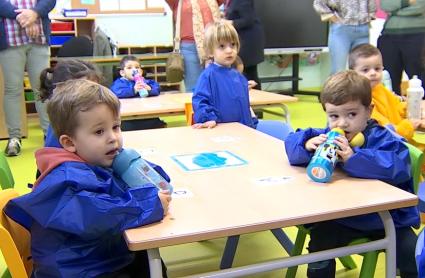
(155, 263)
(390, 256)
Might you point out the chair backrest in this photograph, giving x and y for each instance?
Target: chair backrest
(277, 129)
(188, 111)
(14, 240)
(6, 177)
(416, 160)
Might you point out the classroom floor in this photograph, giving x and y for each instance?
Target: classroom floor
(203, 256)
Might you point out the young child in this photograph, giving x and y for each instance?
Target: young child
(64, 70)
(388, 109)
(126, 86)
(346, 99)
(78, 209)
(221, 94)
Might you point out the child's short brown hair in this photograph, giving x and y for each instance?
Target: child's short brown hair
(127, 58)
(219, 32)
(362, 51)
(346, 86)
(74, 96)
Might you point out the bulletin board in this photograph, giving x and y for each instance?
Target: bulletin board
(119, 6)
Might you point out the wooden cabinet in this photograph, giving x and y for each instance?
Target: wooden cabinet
(64, 28)
(155, 71)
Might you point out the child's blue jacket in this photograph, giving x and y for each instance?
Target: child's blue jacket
(124, 88)
(382, 156)
(221, 94)
(77, 215)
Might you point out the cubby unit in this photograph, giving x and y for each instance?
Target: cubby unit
(65, 28)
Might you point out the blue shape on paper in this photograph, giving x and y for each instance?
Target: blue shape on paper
(208, 160)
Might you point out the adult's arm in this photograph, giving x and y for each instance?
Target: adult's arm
(7, 10)
(43, 7)
(244, 14)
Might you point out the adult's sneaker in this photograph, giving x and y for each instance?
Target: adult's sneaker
(13, 147)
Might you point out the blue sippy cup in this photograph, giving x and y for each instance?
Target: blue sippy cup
(135, 171)
(322, 165)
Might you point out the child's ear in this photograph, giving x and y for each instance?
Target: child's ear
(67, 143)
(122, 73)
(371, 106)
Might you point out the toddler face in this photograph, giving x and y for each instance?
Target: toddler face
(98, 136)
(370, 67)
(351, 117)
(225, 53)
(129, 68)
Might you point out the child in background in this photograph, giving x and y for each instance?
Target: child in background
(64, 70)
(221, 94)
(388, 109)
(346, 99)
(126, 86)
(238, 64)
(78, 209)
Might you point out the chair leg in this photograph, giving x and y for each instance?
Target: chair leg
(229, 252)
(369, 264)
(283, 240)
(348, 262)
(297, 250)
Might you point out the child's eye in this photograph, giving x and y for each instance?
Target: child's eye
(233, 45)
(365, 70)
(333, 117)
(352, 115)
(116, 127)
(99, 132)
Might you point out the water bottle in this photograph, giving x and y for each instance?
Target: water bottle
(322, 165)
(138, 78)
(386, 80)
(136, 172)
(415, 93)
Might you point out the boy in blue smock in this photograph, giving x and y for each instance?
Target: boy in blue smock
(221, 93)
(127, 87)
(78, 210)
(346, 98)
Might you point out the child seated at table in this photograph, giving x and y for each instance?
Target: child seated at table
(221, 93)
(78, 210)
(388, 108)
(127, 87)
(346, 99)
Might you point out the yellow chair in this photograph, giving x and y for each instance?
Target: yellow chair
(188, 111)
(14, 241)
(369, 258)
(6, 178)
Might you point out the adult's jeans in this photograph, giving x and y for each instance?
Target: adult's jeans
(192, 65)
(342, 38)
(13, 61)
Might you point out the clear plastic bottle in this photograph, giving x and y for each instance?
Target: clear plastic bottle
(139, 79)
(135, 171)
(415, 93)
(386, 80)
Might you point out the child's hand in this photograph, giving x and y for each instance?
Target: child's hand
(209, 124)
(417, 123)
(147, 87)
(314, 142)
(251, 84)
(165, 198)
(345, 151)
(138, 86)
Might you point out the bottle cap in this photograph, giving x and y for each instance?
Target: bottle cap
(415, 82)
(123, 160)
(339, 130)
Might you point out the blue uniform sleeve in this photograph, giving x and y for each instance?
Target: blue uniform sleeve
(7, 10)
(78, 202)
(123, 88)
(155, 88)
(295, 146)
(387, 159)
(202, 102)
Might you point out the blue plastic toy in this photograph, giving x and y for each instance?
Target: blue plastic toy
(139, 79)
(135, 171)
(322, 165)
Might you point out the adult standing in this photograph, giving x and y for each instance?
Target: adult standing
(349, 26)
(251, 35)
(24, 41)
(195, 15)
(402, 39)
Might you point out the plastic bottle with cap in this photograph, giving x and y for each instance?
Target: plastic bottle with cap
(139, 79)
(415, 93)
(135, 171)
(386, 80)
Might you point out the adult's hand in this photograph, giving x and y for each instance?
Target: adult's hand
(26, 17)
(32, 31)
